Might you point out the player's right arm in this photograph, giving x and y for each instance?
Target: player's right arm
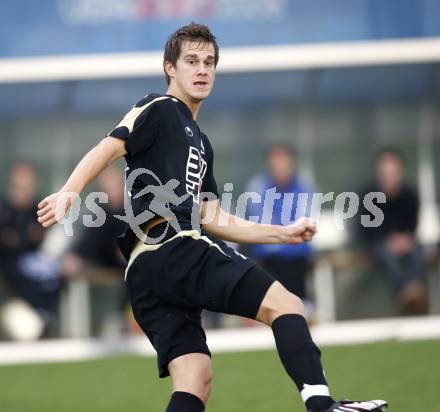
(93, 163)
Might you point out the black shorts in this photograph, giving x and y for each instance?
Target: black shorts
(169, 286)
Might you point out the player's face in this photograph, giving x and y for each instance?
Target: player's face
(194, 72)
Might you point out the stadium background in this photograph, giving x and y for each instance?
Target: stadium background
(336, 114)
(322, 110)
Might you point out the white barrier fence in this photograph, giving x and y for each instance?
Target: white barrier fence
(227, 340)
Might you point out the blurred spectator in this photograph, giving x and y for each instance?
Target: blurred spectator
(28, 273)
(288, 263)
(94, 250)
(393, 244)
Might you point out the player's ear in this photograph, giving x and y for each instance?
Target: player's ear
(169, 69)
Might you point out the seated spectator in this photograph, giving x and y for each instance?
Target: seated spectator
(288, 263)
(94, 250)
(28, 273)
(394, 243)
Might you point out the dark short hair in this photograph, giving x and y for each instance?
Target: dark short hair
(286, 147)
(389, 151)
(191, 32)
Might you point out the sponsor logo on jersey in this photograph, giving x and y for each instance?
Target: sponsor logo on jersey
(195, 172)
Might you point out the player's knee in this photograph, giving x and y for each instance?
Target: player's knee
(199, 386)
(192, 373)
(288, 303)
(277, 302)
(203, 385)
(207, 386)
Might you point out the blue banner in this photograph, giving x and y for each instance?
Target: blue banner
(48, 27)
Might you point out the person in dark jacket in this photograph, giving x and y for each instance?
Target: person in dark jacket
(94, 251)
(394, 243)
(27, 272)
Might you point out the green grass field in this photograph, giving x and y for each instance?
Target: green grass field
(407, 374)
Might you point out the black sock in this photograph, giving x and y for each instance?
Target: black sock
(302, 360)
(185, 402)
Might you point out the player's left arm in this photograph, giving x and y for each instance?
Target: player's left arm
(232, 228)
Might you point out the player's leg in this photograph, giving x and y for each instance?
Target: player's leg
(177, 335)
(191, 376)
(284, 313)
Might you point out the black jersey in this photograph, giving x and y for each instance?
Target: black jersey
(169, 162)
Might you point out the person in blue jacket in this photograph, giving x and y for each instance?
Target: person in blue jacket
(282, 186)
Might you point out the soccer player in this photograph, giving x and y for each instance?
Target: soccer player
(188, 268)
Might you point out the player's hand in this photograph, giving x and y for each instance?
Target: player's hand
(53, 208)
(302, 230)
